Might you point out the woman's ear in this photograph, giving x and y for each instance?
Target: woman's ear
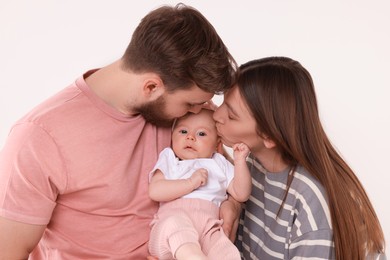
(268, 143)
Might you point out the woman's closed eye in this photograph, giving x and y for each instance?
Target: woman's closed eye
(231, 117)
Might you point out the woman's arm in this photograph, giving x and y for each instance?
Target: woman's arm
(161, 189)
(318, 244)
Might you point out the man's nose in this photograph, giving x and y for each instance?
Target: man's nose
(196, 109)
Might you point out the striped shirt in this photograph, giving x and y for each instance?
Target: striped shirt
(302, 230)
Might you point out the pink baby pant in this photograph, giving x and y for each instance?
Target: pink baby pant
(190, 221)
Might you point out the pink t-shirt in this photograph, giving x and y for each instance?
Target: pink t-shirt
(81, 167)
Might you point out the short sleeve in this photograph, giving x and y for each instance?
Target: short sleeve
(32, 174)
(225, 165)
(165, 159)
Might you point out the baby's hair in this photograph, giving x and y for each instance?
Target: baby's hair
(187, 115)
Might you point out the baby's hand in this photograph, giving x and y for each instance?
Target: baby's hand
(199, 178)
(240, 151)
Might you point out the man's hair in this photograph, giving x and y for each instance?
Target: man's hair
(183, 48)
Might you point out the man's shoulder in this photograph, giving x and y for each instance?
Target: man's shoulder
(53, 106)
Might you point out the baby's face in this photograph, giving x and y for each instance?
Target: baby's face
(195, 136)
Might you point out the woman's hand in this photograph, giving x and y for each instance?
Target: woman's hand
(229, 212)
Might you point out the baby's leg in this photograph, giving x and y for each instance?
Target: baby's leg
(218, 246)
(174, 236)
(190, 251)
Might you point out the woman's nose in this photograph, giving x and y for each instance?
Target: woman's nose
(217, 116)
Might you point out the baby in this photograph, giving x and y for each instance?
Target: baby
(190, 180)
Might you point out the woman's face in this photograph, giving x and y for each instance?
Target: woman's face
(235, 123)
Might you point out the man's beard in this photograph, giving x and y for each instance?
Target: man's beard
(154, 113)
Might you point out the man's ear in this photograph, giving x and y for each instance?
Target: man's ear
(153, 87)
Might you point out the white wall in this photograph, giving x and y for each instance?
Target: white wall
(46, 44)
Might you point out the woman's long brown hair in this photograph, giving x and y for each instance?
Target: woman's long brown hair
(280, 94)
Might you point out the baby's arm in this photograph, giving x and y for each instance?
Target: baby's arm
(161, 189)
(240, 187)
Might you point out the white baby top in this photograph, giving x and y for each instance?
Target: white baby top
(220, 174)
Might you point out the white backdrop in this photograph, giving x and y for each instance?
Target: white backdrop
(46, 44)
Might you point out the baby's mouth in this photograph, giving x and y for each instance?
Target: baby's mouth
(189, 148)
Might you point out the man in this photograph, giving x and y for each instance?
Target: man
(74, 171)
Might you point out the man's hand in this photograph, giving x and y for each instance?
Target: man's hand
(230, 213)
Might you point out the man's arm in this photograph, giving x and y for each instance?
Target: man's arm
(17, 239)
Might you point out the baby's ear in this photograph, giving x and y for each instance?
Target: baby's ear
(219, 147)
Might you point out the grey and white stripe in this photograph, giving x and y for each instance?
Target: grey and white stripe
(302, 230)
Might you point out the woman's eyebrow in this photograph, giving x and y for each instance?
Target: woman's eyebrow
(231, 109)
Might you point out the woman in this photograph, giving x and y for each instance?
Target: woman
(306, 201)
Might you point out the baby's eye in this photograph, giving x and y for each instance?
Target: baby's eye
(183, 131)
(202, 134)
